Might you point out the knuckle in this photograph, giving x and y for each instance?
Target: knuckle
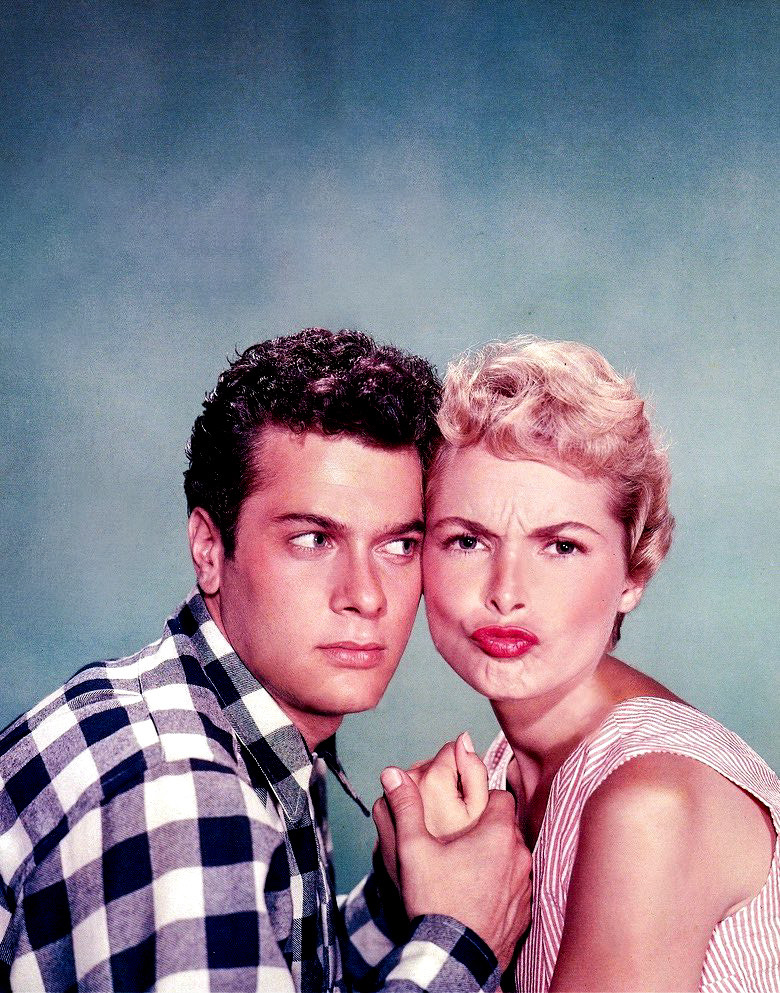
(416, 775)
(402, 799)
(445, 755)
(523, 861)
(506, 800)
(502, 800)
(438, 774)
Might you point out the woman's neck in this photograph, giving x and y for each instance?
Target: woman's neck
(545, 730)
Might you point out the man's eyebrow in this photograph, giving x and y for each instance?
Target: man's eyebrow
(315, 520)
(416, 527)
(331, 525)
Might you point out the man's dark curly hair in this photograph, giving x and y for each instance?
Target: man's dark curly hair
(315, 380)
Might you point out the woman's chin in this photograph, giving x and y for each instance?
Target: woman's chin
(498, 679)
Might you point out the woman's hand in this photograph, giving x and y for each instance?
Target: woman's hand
(454, 790)
(453, 786)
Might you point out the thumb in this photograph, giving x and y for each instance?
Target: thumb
(405, 803)
(473, 775)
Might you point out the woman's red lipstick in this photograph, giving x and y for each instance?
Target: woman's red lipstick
(504, 642)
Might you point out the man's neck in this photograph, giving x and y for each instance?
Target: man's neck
(314, 728)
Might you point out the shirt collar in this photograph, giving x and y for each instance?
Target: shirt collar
(326, 750)
(271, 740)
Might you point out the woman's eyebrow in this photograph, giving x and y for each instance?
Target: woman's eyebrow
(553, 530)
(545, 531)
(473, 527)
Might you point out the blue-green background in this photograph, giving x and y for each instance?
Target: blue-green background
(182, 179)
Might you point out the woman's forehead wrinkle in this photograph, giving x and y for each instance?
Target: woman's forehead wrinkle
(523, 496)
(509, 512)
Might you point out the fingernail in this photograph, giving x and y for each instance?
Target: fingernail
(391, 779)
(468, 744)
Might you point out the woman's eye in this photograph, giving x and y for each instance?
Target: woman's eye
(564, 547)
(312, 539)
(464, 543)
(402, 547)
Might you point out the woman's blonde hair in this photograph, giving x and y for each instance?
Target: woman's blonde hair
(562, 402)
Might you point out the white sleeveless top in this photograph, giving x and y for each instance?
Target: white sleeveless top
(744, 951)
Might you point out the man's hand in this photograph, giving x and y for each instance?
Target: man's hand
(480, 877)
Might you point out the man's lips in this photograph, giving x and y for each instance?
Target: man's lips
(354, 654)
(504, 642)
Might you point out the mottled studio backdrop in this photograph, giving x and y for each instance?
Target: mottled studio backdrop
(179, 180)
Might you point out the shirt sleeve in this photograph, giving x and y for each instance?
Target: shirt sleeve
(166, 885)
(160, 886)
(385, 951)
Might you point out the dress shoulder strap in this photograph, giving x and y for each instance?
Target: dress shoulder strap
(642, 725)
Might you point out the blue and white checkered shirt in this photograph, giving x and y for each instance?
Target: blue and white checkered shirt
(163, 825)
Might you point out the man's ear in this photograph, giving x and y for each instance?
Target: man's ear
(208, 553)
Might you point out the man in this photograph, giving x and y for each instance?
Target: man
(163, 817)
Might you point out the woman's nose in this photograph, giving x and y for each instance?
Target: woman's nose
(505, 591)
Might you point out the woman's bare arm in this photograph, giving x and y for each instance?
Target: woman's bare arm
(667, 848)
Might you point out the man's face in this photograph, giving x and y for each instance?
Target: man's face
(321, 593)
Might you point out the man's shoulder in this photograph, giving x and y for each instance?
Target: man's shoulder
(111, 723)
(159, 698)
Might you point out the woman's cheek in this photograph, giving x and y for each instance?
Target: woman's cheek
(443, 610)
(593, 606)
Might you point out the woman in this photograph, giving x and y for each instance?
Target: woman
(653, 828)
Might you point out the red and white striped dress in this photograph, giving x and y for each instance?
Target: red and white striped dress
(744, 950)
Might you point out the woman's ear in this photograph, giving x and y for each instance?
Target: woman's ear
(630, 596)
(208, 553)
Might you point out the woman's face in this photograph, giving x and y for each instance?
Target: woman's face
(523, 571)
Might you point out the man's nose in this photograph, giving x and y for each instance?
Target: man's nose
(359, 587)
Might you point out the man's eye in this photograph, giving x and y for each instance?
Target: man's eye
(403, 547)
(312, 539)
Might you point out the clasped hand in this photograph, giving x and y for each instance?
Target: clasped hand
(453, 847)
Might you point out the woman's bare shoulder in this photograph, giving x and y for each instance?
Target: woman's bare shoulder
(676, 808)
(626, 682)
(635, 885)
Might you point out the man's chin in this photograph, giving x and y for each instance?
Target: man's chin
(352, 703)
